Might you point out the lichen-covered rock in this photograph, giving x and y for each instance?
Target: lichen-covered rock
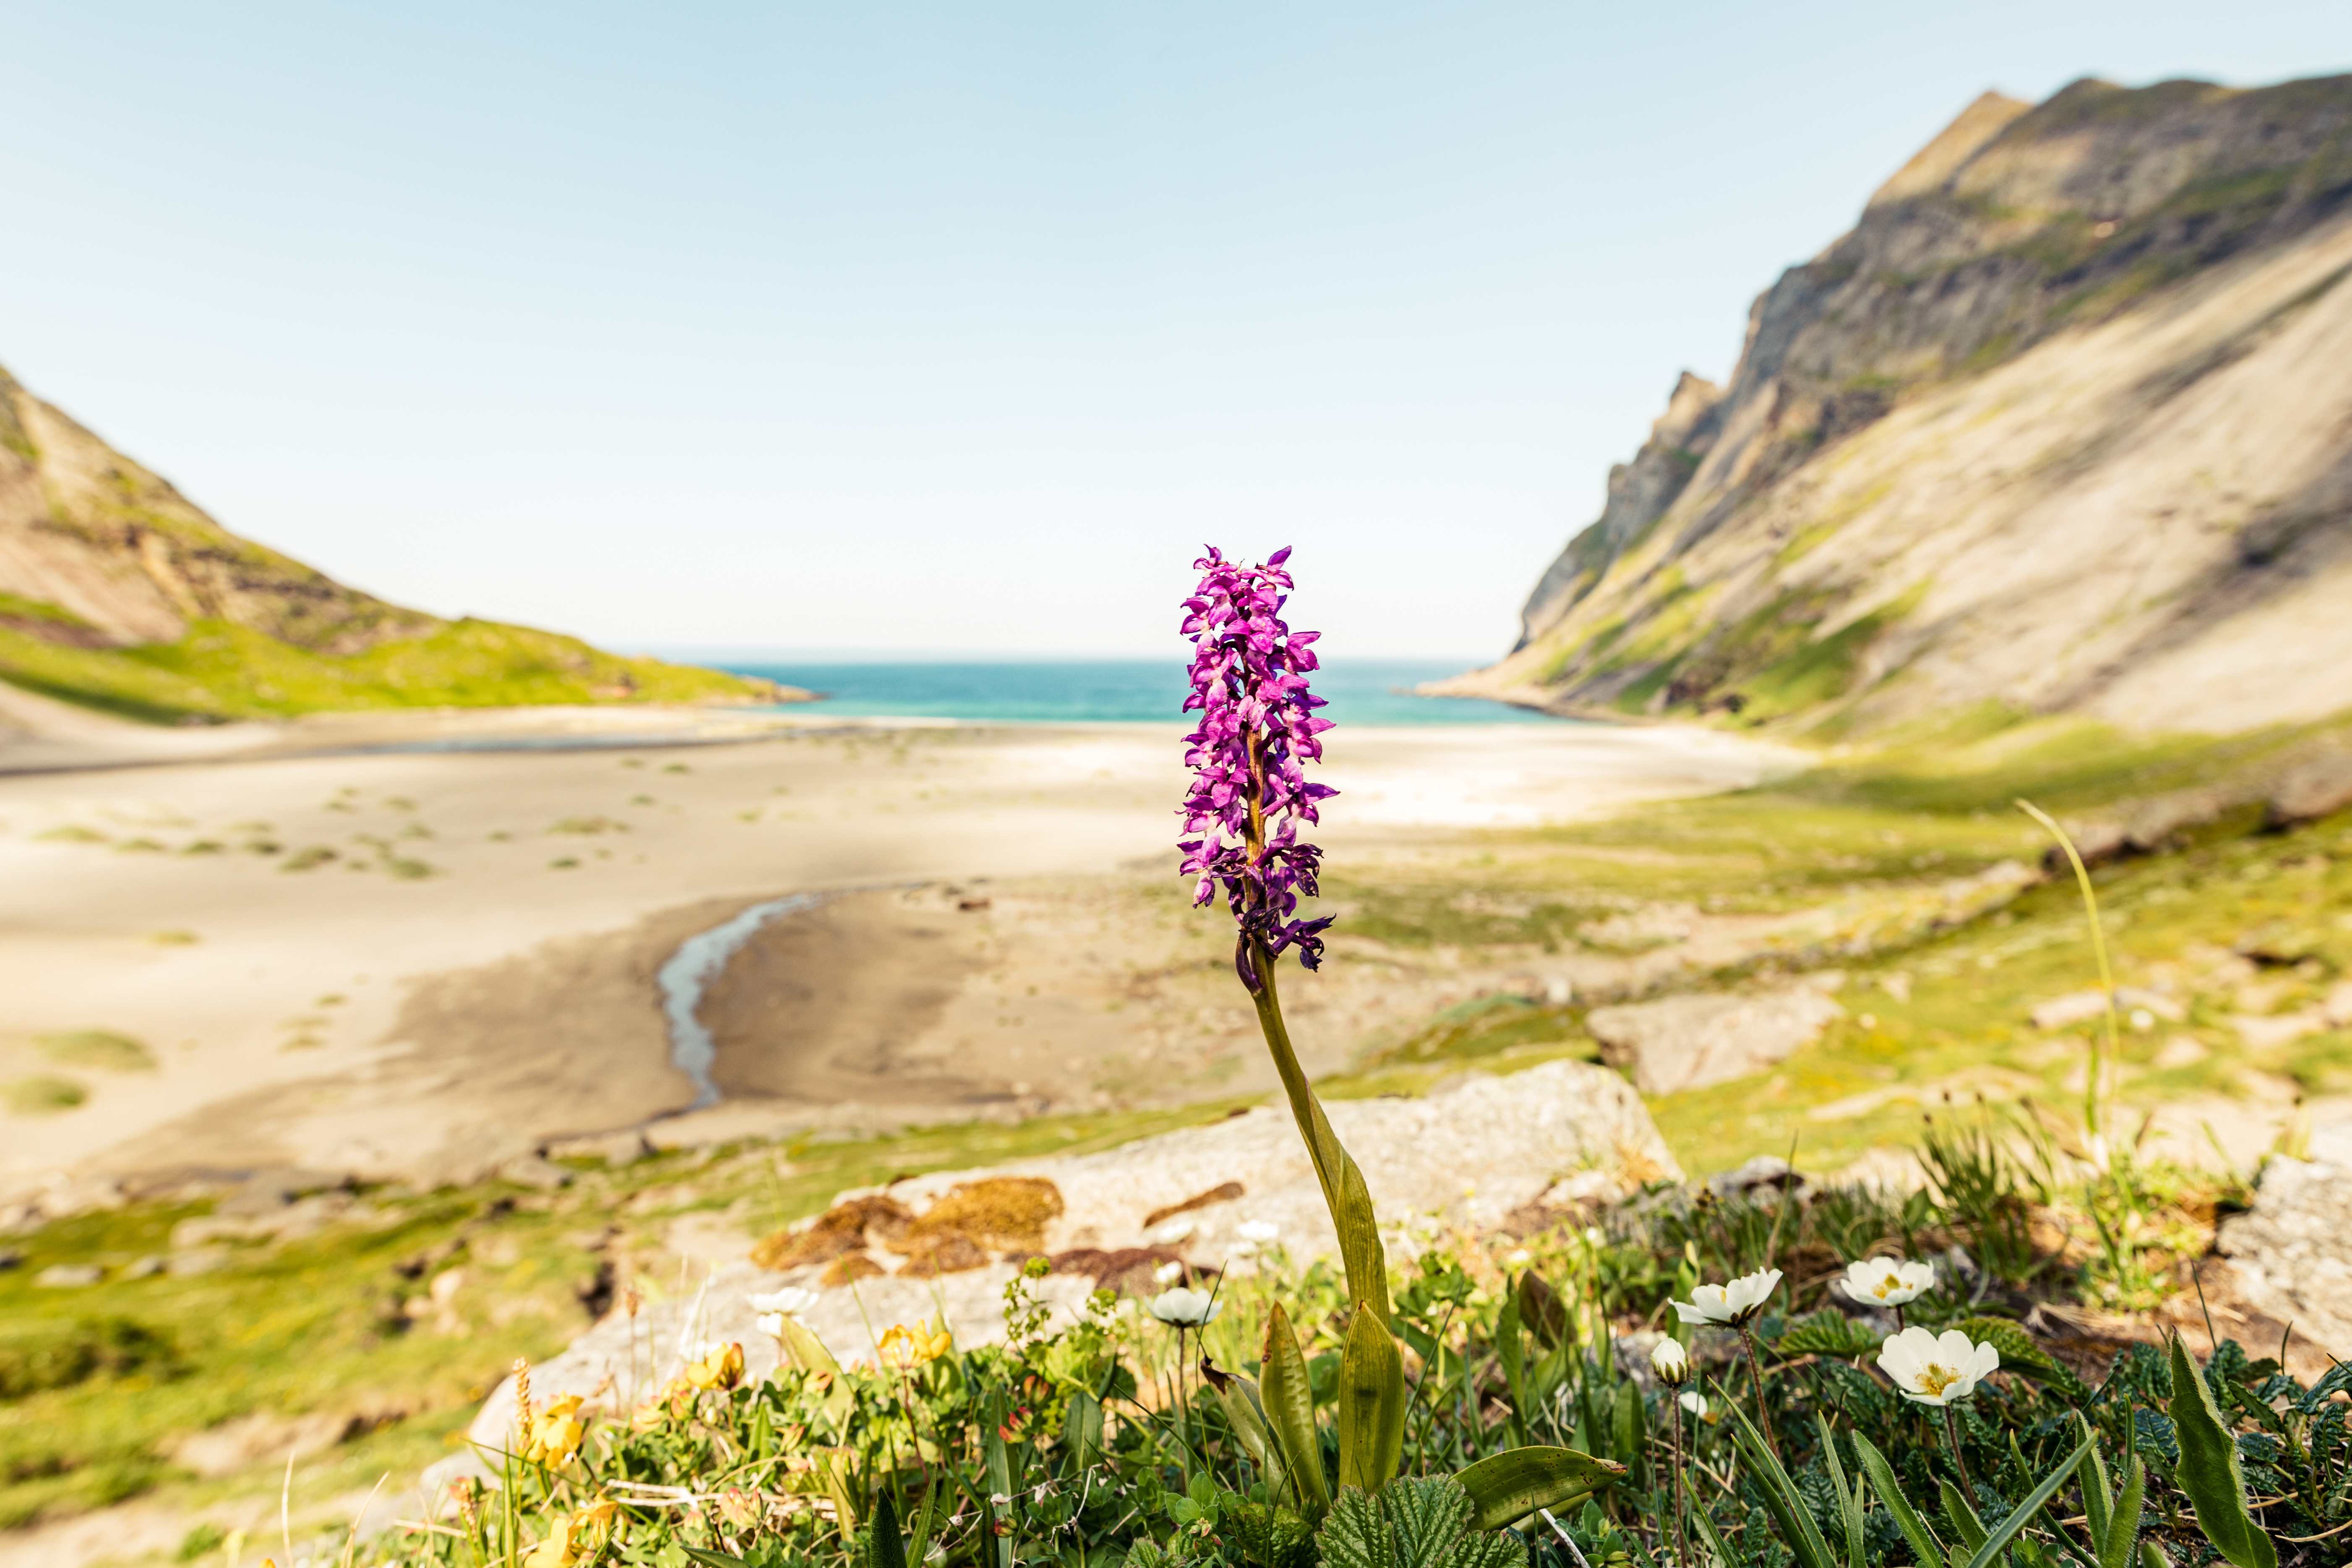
(1473, 1156)
(2293, 1250)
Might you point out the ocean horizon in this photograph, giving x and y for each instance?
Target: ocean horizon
(1360, 691)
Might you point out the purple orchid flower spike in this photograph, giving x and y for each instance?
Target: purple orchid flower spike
(1249, 795)
(1257, 730)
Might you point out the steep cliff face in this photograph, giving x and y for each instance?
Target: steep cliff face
(2065, 422)
(117, 592)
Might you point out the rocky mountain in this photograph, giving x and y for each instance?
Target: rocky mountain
(2064, 424)
(118, 592)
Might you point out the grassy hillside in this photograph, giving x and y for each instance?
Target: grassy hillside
(221, 671)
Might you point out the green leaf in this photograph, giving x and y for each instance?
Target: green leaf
(999, 1470)
(2098, 1497)
(1245, 1413)
(2023, 1515)
(803, 1350)
(1630, 1433)
(884, 1547)
(709, 1559)
(1848, 1498)
(1924, 1544)
(1356, 1536)
(1418, 1522)
(1828, 1332)
(1960, 1513)
(1506, 1488)
(2208, 1469)
(1082, 1429)
(1541, 1310)
(1511, 1350)
(1289, 1402)
(2115, 1542)
(1371, 1403)
(1786, 1505)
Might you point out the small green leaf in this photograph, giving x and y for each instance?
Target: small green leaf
(709, 1559)
(1506, 1488)
(2023, 1514)
(1848, 1498)
(1924, 1544)
(2122, 1531)
(884, 1548)
(1828, 1332)
(1371, 1403)
(1786, 1504)
(2208, 1469)
(1289, 1402)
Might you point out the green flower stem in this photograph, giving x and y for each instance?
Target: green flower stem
(1675, 1453)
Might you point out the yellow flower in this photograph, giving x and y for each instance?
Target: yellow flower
(555, 1433)
(722, 1368)
(903, 1349)
(574, 1538)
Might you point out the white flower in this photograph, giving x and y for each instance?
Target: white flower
(1184, 1308)
(1168, 1273)
(771, 1324)
(1936, 1369)
(1668, 1360)
(1888, 1281)
(790, 1302)
(1735, 1302)
(1695, 1404)
(1169, 1234)
(1519, 1255)
(1258, 1230)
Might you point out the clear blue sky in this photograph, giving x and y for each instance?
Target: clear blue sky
(956, 325)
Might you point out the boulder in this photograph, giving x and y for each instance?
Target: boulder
(1690, 1042)
(2318, 787)
(1472, 1156)
(2293, 1249)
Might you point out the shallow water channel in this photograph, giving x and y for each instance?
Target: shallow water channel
(699, 960)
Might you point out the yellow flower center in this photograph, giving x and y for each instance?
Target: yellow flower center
(1889, 1284)
(1934, 1378)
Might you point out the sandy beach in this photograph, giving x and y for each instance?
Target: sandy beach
(419, 962)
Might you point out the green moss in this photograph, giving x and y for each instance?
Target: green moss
(100, 1048)
(43, 1094)
(221, 671)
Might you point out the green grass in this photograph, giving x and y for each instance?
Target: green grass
(219, 671)
(96, 1383)
(100, 1048)
(42, 1094)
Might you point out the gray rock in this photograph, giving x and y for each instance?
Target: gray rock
(2293, 1249)
(1690, 1042)
(1472, 1156)
(275, 1186)
(249, 1440)
(145, 1268)
(2311, 790)
(68, 1275)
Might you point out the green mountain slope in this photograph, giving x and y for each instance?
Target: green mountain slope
(117, 594)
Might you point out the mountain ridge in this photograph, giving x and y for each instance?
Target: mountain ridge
(1805, 545)
(118, 594)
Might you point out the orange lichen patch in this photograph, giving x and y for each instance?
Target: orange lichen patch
(843, 1228)
(849, 1265)
(1002, 1212)
(1222, 1194)
(940, 1252)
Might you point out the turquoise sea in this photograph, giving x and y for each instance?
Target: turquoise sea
(1361, 691)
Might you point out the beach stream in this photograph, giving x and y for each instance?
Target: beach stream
(700, 960)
